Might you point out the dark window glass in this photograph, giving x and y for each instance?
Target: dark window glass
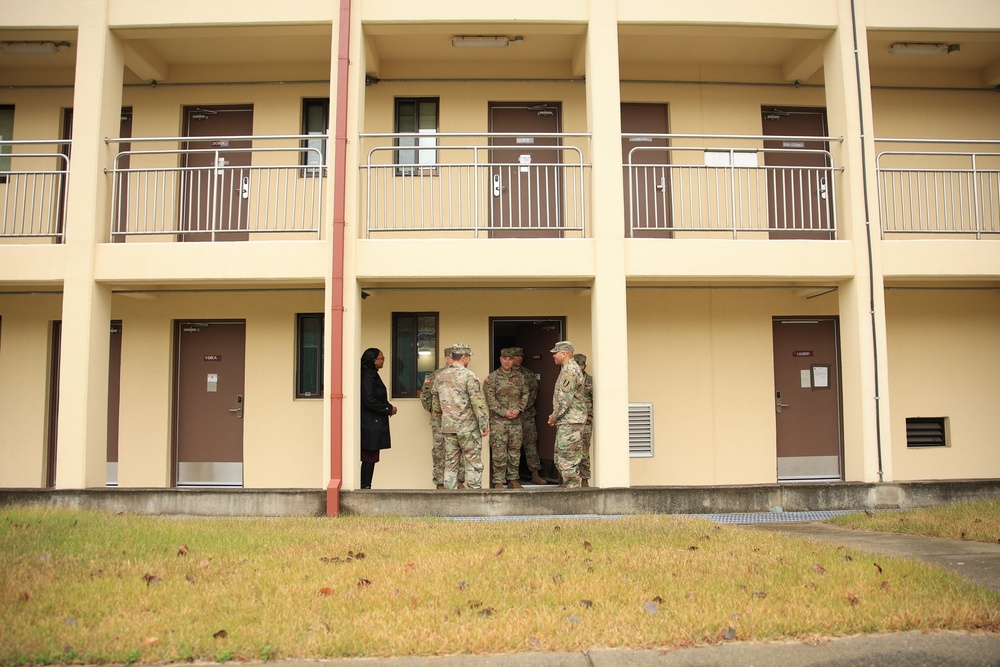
(309, 355)
(315, 120)
(416, 154)
(414, 351)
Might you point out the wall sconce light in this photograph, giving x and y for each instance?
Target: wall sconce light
(33, 48)
(922, 48)
(484, 41)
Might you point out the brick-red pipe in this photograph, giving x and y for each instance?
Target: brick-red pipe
(336, 321)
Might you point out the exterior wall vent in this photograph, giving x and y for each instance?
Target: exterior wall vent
(926, 432)
(640, 430)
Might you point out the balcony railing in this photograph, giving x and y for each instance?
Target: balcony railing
(33, 186)
(729, 186)
(236, 189)
(474, 185)
(940, 190)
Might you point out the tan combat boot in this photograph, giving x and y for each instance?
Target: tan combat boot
(536, 478)
(497, 485)
(584, 482)
(514, 484)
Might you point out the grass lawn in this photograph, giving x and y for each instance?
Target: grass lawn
(976, 521)
(88, 587)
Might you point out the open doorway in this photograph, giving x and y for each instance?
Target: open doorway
(536, 336)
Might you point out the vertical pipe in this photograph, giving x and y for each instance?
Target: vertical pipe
(337, 280)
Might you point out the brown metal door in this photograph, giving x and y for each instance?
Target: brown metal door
(647, 177)
(536, 336)
(525, 186)
(799, 191)
(807, 399)
(114, 400)
(209, 403)
(216, 180)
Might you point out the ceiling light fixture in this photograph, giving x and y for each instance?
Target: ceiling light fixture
(922, 48)
(33, 48)
(484, 41)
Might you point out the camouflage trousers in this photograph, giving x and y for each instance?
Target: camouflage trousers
(505, 449)
(588, 433)
(529, 438)
(437, 457)
(569, 451)
(465, 451)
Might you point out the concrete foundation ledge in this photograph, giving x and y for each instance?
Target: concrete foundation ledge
(532, 501)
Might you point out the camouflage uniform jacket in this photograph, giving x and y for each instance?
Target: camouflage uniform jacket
(532, 383)
(569, 406)
(588, 394)
(505, 391)
(457, 396)
(425, 393)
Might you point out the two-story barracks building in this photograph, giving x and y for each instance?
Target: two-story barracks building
(773, 228)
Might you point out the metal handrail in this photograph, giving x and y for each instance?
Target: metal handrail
(32, 199)
(931, 192)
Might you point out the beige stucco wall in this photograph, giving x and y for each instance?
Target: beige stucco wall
(283, 443)
(25, 354)
(704, 358)
(945, 363)
(463, 317)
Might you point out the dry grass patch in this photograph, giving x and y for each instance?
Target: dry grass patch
(977, 521)
(97, 588)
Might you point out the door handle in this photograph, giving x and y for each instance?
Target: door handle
(239, 407)
(778, 404)
(245, 187)
(496, 185)
(822, 188)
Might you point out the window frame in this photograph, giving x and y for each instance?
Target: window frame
(402, 363)
(310, 104)
(315, 374)
(419, 150)
(5, 151)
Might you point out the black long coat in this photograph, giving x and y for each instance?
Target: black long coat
(375, 411)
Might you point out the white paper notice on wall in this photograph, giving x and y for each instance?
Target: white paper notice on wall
(821, 377)
(524, 161)
(805, 377)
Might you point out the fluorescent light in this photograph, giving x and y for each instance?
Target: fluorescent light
(922, 48)
(482, 41)
(33, 48)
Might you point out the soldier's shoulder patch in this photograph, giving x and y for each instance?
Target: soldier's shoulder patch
(567, 383)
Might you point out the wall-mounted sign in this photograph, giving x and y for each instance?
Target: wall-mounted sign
(212, 357)
(804, 353)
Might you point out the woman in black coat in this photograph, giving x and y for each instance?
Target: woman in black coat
(375, 413)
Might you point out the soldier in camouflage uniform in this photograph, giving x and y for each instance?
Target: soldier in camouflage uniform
(529, 429)
(506, 398)
(437, 448)
(458, 397)
(588, 427)
(569, 415)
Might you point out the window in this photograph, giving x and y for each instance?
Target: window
(315, 120)
(6, 134)
(414, 351)
(419, 116)
(309, 355)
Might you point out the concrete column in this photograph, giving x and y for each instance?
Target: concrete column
(83, 381)
(867, 452)
(606, 362)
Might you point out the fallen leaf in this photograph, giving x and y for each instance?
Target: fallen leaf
(24, 596)
(183, 551)
(878, 567)
(188, 578)
(658, 600)
(729, 634)
(587, 604)
(502, 549)
(852, 599)
(410, 566)
(205, 562)
(326, 590)
(362, 582)
(556, 577)
(149, 641)
(692, 548)
(885, 585)
(811, 585)
(819, 568)
(760, 594)
(151, 579)
(848, 558)
(461, 585)
(359, 556)
(488, 611)
(587, 545)
(475, 603)
(221, 634)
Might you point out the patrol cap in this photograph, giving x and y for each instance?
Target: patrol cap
(514, 352)
(448, 351)
(508, 352)
(460, 348)
(580, 359)
(563, 346)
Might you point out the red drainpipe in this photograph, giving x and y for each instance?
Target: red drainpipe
(337, 283)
